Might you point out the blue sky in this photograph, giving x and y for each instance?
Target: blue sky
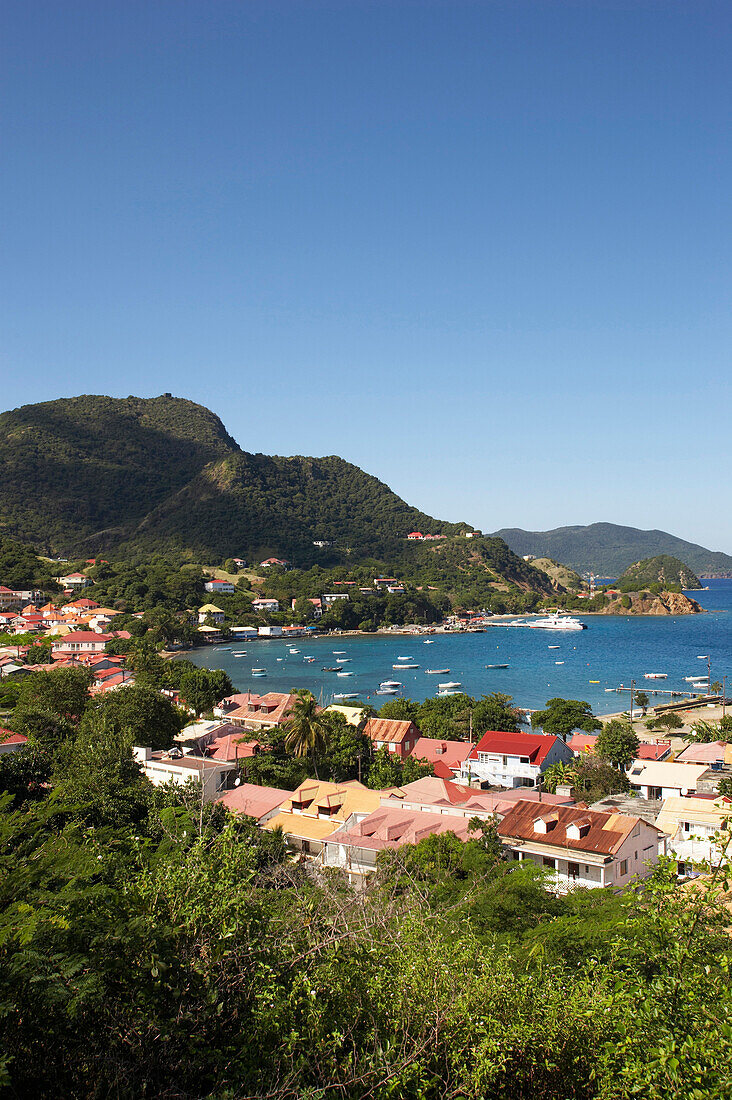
(480, 249)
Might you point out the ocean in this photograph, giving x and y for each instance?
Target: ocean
(613, 650)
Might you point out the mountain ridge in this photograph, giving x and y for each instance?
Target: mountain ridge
(142, 474)
(608, 549)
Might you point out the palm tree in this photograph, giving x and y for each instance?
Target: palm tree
(558, 773)
(307, 728)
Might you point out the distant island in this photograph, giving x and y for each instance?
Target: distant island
(608, 549)
(661, 572)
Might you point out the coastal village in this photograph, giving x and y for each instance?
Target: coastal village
(672, 804)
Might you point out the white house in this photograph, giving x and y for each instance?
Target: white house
(513, 759)
(331, 597)
(75, 580)
(265, 605)
(81, 642)
(581, 847)
(212, 612)
(270, 632)
(216, 776)
(695, 827)
(661, 779)
(214, 585)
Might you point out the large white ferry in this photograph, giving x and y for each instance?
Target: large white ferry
(558, 622)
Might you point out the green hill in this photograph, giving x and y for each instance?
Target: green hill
(91, 474)
(662, 570)
(559, 574)
(607, 549)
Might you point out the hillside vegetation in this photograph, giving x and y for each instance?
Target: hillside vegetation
(607, 549)
(90, 474)
(161, 480)
(560, 575)
(661, 572)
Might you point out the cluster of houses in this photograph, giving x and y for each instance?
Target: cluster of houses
(674, 806)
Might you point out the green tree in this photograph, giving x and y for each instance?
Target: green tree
(557, 774)
(389, 770)
(668, 721)
(562, 716)
(403, 710)
(496, 712)
(143, 716)
(63, 691)
(25, 773)
(202, 688)
(617, 742)
(642, 700)
(44, 728)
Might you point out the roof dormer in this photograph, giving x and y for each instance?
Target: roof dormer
(546, 822)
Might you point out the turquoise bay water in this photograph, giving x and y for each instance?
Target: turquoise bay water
(613, 650)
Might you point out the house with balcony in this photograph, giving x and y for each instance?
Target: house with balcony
(80, 643)
(697, 829)
(581, 847)
(75, 580)
(513, 759)
(257, 712)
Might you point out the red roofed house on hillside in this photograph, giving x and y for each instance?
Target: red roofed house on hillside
(446, 757)
(514, 759)
(398, 737)
(355, 846)
(261, 803)
(582, 847)
(11, 742)
(75, 580)
(80, 642)
(261, 712)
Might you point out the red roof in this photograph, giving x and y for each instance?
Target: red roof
(450, 754)
(389, 729)
(7, 737)
(536, 746)
(83, 636)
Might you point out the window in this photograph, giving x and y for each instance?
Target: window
(547, 861)
(573, 871)
(624, 867)
(392, 746)
(686, 826)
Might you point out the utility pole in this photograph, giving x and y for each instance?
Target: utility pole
(724, 694)
(632, 697)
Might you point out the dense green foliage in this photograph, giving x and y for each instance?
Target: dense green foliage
(154, 946)
(607, 549)
(655, 574)
(454, 716)
(617, 742)
(564, 716)
(162, 473)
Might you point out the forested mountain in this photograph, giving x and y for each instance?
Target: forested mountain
(90, 474)
(607, 549)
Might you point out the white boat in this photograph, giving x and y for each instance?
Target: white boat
(552, 647)
(449, 691)
(405, 666)
(390, 684)
(558, 622)
(294, 651)
(238, 654)
(656, 676)
(437, 672)
(695, 679)
(346, 660)
(259, 672)
(559, 662)
(344, 674)
(409, 657)
(339, 652)
(387, 691)
(428, 641)
(449, 685)
(347, 695)
(496, 666)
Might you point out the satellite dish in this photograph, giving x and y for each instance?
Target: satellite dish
(237, 781)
